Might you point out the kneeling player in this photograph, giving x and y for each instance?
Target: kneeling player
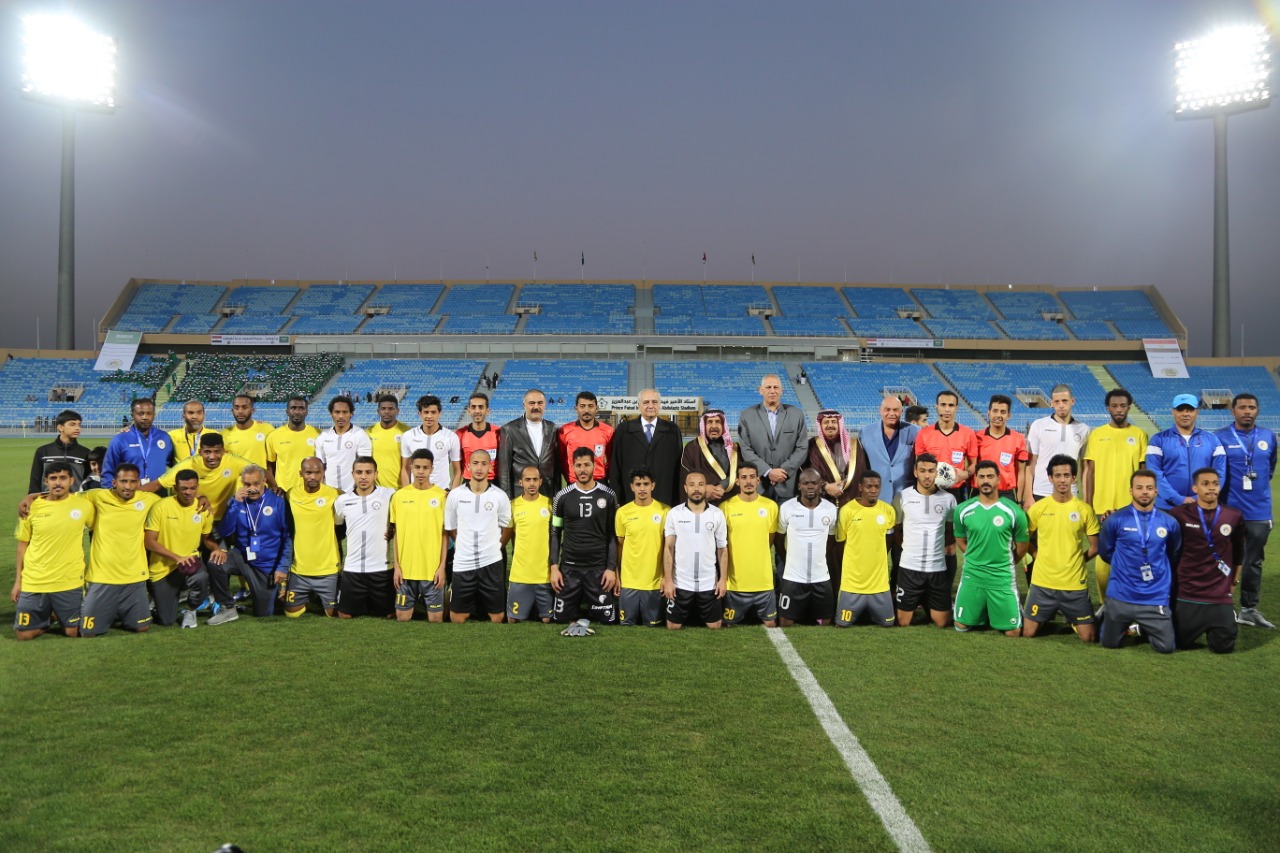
(366, 585)
(117, 575)
(1208, 566)
(529, 594)
(175, 531)
(477, 517)
(864, 526)
(583, 547)
(50, 564)
(639, 527)
(753, 525)
(417, 523)
(314, 573)
(927, 539)
(991, 532)
(806, 524)
(1059, 525)
(694, 557)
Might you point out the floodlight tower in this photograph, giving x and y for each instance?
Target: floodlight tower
(1226, 72)
(69, 66)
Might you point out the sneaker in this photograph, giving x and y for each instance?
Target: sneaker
(189, 619)
(208, 605)
(1134, 630)
(241, 595)
(1251, 616)
(226, 614)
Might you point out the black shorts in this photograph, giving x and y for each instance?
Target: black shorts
(482, 587)
(584, 585)
(1192, 619)
(805, 602)
(366, 594)
(928, 588)
(705, 604)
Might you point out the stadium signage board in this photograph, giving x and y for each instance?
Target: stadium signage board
(904, 343)
(1164, 357)
(631, 405)
(249, 340)
(118, 351)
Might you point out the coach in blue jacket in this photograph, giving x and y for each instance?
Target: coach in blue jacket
(888, 445)
(1176, 452)
(258, 533)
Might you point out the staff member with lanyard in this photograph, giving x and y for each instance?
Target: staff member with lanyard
(1251, 465)
(150, 449)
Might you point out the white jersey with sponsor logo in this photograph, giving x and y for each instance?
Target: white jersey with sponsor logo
(807, 532)
(479, 520)
(444, 446)
(366, 518)
(698, 535)
(1046, 439)
(924, 521)
(339, 452)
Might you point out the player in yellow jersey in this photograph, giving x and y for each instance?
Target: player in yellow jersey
(385, 435)
(864, 526)
(417, 519)
(246, 437)
(1064, 530)
(50, 562)
(1113, 453)
(753, 525)
(118, 572)
(186, 438)
(529, 594)
(218, 473)
(288, 445)
(314, 572)
(638, 526)
(174, 532)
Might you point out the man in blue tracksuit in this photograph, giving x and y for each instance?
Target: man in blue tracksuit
(141, 444)
(1140, 542)
(1251, 463)
(259, 547)
(1175, 452)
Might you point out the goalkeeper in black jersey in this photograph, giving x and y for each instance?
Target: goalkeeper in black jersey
(584, 552)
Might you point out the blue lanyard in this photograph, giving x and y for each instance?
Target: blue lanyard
(1208, 531)
(146, 450)
(1144, 534)
(1247, 447)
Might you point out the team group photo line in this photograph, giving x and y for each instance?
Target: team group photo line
(758, 525)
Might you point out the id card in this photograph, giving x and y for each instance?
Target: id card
(1147, 574)
(1224, 568)
(1247, 484)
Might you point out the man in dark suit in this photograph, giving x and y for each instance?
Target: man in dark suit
(650, 441)
(526, 441)
(773, 437)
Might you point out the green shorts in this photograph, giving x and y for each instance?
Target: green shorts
(994, 606)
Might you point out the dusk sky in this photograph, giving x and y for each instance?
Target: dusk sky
(914, 142)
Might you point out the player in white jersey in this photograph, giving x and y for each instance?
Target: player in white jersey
(806, 524)
(338, 446)
(365, 586)
(1049, 436)
(695, 562)
(477, 517)
(444, 445)
(926, 537)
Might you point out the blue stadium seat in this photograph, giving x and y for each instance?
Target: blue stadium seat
(396, 323)
(882, 302)
(953, 303)
(978, 381)
(260, 299)
(1108, 304)
(331, 299)
(809, 326)
(856, 389)
(1024, 305)
(980, 330)
(1155, 395)
(810, 301)
(1033, 330)
(732, 386)
(407, 298)
(560, 380)
(1091, 330)
(477, 299)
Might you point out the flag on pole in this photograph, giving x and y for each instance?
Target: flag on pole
(535, 256)
(584, 259)
(704, 257)
(753, 260)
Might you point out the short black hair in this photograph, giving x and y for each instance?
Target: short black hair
(742, 466)
(925, 457)
(478, 395)
(388, 398)
(301, 399)
(184, 475)
(1195, 475)
(913, 413)
(869, 475)
(211, 439)
(641, 472)
(584, 395)
(341, 399)
(59, 467)
(141, 401)
(127, 466)
(1243, 395)
(986, 463)
(367, 460)
(1000, 398)
(67, 415)
(1062, 459)
(945, 393)
(423, 453)
(426, 401)
(1117, 392)
(583, 452)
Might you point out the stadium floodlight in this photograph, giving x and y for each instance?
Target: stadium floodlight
(1226, 72)
(67, 65)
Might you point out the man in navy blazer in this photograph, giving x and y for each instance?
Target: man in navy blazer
(773, 437)
(648, 441)
(888, 445)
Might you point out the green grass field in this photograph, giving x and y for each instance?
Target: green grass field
(317, 734)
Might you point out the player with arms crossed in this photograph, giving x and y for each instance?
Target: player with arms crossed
(639, 527)
(864, 526)
(365, 586)
(806, 524)
(1060, 526)
(1140, 542)
(991, 533)
(695, 563)
(924, 532)
(477, 518)
(583, 548)
(529, 593)
(417, 520)
(50, 562)
(1207, 567)
(753, 526)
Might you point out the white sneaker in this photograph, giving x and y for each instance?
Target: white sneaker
(189, 619)
(226, 614)
(1251, 616)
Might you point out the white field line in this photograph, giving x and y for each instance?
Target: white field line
(901, 828)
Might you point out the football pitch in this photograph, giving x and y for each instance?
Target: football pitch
(320, 734)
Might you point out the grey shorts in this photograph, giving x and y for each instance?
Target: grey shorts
(168, 592)
(1156, 622)
(409, 593)
(529, 601)
(640, 607)
(301, 588)
(741, 606)
(1043, 604)
(878, 606)
(103, 602)
(34, 609)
